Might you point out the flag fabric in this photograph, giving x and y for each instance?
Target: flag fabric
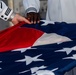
(47, 48)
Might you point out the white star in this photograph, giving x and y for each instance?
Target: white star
(73, 57)
(0, 61)
(0, 67)
(45, 72)
(34, 69)
(47, 22)
(67, 50)
(24, 71)
(22, 49)
(54, 69)
(38, 69)
(29, 59)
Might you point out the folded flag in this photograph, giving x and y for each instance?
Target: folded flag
(46, 48)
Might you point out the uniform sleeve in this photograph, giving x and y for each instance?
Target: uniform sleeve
(5, 11)
(31, 5)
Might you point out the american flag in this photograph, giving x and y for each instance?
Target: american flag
(47, 48)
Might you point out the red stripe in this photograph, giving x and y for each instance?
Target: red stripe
(16, 37)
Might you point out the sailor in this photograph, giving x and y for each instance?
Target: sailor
(57, 10)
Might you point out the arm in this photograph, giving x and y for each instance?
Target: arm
(32, 10)
(7, 14)
(31, 5)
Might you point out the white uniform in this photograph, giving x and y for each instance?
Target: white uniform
(58, 10)
(5, 11)
(31, 5)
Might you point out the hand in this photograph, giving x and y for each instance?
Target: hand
(33, 17)
(17, 18)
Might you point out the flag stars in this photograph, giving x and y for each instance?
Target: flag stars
(0, 67)
(72, 57)
(67, 50)
(0, 61)
(29, 59)
(34, 69)
(47, 22)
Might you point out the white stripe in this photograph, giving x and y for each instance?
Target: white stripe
(50, 39)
